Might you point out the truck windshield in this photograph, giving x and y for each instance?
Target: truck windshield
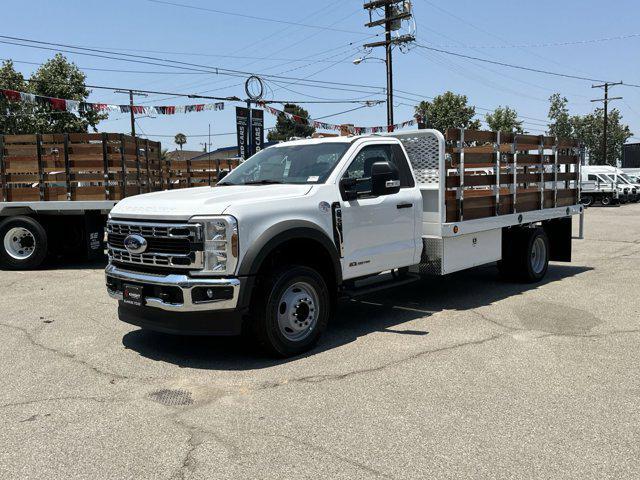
(297, 164)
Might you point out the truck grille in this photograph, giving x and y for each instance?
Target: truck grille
(169, 245)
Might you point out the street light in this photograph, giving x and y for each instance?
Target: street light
(358, 61)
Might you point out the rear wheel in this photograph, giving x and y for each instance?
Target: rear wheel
(586, 200)
(291, 311)
(23, 243)
(526, 257)
(534, 256)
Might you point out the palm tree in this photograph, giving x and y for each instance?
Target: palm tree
(180, 139)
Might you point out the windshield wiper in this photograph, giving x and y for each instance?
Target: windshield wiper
(263, 182)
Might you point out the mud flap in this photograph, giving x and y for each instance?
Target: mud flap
(559, 232)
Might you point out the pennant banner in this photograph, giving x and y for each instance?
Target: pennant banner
(331, 126)
(76, 107)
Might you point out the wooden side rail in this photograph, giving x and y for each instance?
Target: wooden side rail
(497, 173)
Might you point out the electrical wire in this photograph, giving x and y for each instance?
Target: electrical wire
(255, 17)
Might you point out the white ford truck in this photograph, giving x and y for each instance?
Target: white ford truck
(278, 241)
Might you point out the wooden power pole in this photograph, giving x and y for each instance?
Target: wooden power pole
(606, 101)
(395, 11)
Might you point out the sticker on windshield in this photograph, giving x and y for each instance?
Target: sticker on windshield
(313, 179)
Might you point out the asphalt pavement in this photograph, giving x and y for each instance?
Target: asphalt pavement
(465, 376)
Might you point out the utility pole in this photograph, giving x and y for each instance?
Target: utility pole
(133, 117)
(606, 101)
(395, 11)
(131, 112)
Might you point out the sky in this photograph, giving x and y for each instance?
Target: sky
(318, 41)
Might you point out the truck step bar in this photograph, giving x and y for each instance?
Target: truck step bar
(378, 285)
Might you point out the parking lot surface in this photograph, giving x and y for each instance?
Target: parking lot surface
(465, 376)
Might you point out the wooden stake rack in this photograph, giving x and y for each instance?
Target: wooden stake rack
(92, 166)
(496, 173)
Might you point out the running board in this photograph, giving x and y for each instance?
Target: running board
(377, 286)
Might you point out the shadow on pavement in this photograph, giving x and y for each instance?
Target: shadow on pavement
(384, 311)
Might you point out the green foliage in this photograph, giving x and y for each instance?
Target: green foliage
(560, 125)
(55, 78)
(180, 139)
(448, 110)
(12, 114)
(590, 130)
(287, 128)
(504, 120)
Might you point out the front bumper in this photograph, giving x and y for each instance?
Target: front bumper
(176, 292)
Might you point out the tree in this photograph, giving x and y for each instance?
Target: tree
(60, 78)
(12, 114)
(287, 127)
(55, 78)
(590, 130)
(560, 125)
(180, 139)
(448, 110)
(504, 120)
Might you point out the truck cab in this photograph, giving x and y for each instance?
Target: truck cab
(279, 240)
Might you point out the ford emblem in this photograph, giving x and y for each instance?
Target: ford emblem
(135, 244)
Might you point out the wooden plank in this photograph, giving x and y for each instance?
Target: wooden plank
(14, 139)
(67, 166)
(40, 167)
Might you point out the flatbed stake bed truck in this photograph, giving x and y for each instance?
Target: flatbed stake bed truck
(272, 246)
(56, 190)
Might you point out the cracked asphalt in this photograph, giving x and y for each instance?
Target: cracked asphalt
(460, 377)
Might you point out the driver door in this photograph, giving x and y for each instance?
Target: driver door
(379, 232)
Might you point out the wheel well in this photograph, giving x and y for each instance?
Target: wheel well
(302, 251)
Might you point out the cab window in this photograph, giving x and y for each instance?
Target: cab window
(361, 165)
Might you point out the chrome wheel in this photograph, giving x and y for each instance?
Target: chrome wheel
(538, 255)
(298, 311)
(19, 243)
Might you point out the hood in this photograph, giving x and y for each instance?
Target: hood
(183, 204)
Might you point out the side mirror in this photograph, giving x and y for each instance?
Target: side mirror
(348, 189)
(223, 174)
(385, 179)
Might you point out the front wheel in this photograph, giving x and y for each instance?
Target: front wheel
(23, 243)
(606, 201)
(291, 311)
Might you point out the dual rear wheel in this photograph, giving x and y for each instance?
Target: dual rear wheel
(23, 243)
(525, 255)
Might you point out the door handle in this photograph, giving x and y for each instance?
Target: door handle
(404, 205)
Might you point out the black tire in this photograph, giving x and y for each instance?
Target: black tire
(605, 200)
(36, 241)
(269, 306)
(586, 200)
(534, 255)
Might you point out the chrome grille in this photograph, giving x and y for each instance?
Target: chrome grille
(175, 246)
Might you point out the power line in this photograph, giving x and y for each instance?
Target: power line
(519, 67)
(255, 17)
(183, 65)
(544, 45)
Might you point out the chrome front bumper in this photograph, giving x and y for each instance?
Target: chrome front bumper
(183, 282)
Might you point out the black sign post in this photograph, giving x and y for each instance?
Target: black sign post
(257, 130)
(242, 128)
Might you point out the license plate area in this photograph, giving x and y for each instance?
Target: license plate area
(133, 295)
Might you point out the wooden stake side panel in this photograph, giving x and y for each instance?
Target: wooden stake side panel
(96, 166)
(199, 173)
(534, 172)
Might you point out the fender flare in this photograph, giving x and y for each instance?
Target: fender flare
(278, 234)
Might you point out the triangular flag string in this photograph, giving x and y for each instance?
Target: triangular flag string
(76, 107)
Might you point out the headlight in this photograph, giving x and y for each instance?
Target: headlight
(220, 244)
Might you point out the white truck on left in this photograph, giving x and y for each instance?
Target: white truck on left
(57, 189)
